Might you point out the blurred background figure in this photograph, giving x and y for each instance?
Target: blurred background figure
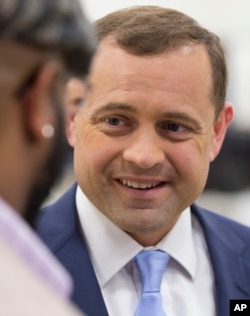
(75, 89)
(41, 42)
(74, 95)
(230, 172)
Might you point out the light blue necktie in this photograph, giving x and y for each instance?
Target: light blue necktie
(151, 265)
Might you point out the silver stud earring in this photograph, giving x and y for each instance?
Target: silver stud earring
(47, 131)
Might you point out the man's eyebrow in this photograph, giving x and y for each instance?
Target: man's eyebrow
(182, 116)
(116, 106)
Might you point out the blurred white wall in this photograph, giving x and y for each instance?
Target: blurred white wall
(215, 14)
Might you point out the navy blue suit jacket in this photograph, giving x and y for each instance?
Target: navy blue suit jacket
(228, 244)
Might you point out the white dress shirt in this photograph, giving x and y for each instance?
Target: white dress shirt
(188, 282)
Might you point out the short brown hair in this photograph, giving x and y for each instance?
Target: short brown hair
(151, 29)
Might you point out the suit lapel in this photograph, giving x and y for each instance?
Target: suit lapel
(87, 292)
(231, 268)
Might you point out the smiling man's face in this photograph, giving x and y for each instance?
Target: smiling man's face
(145, 137)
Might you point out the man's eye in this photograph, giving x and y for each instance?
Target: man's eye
(113, 121)
(173, 127)
(115, 125)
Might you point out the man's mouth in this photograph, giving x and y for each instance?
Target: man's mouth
(141, 186)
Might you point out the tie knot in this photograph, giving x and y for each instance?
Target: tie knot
(151, 265)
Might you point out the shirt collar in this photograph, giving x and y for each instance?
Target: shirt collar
(111, 249)
(180, 243)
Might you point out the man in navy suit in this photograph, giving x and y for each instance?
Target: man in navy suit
(153, 120)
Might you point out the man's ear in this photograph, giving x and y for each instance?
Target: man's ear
(36, 102)
(220, 127)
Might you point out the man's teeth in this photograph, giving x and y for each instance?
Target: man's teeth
(137, 185)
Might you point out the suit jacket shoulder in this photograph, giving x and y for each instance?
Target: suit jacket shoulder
(215, 226)
(228, 245)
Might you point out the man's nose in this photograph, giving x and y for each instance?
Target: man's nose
(145, 149)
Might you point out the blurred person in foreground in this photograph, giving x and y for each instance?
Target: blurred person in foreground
(154, 118)
(40, 43)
